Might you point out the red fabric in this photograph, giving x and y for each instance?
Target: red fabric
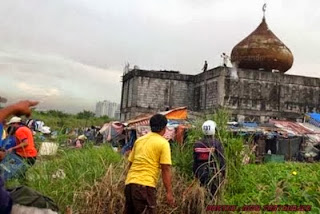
(24, 133)
(203, 156)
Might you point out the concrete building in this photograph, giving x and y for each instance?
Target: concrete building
(255, 89)
(107, 108)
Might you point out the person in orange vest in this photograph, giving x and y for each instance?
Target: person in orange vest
(25, 147)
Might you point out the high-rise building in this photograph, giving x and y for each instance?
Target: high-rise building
(107, 108)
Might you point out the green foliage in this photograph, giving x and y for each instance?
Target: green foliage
(85, 115)
(275, 183)
(233, 147)
(182, 159)
(253, 184)
(59, 121)
(55, 113)
(82, 168)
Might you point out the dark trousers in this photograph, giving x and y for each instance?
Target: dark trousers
(6, 209)
(140, 199)
(30, 161)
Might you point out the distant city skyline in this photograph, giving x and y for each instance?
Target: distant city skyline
(107, 108)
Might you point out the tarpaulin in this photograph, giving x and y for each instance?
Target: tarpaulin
(142, 130)
(170, 133)
(315, 116)
(111, 130)
(174, 114)
(249, 124)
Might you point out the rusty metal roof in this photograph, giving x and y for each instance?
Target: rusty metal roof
(292, 127)
(262, 50)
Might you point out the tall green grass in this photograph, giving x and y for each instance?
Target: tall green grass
(232, 145)
(82, 168)
(275, 183)
(94, 181)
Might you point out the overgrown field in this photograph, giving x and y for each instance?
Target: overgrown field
(94, 183)
(58, 120)
(277, 184)
(94, 179)
(66, 176)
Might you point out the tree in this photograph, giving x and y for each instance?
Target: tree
(85, 114)
(57, 113)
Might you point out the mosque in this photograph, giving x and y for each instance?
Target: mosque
(256, 88)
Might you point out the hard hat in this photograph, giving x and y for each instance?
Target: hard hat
(14, 120)
(209, 127)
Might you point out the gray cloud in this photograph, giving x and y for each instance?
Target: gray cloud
(80, 46)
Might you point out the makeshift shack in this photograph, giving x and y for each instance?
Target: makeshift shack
(175, 130)
(113, 132)
(281, 140)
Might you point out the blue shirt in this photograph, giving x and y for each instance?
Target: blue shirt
(5, 200)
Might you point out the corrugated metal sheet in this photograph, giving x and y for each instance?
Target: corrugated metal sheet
(312, 127)
(292, 127)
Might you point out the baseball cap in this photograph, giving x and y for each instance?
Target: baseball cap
(14, 120)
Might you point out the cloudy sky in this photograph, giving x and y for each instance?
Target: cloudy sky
(69, 54)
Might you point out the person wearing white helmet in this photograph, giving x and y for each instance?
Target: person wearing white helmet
(208, 157)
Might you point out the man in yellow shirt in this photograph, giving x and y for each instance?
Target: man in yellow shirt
(150, 153)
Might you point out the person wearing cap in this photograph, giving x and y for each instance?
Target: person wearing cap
(25, 147)
(208, 158)
(80, 141)
(150, 153)
(20, 108)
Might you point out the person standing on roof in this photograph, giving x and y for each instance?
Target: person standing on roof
(225, 59)
(25, 147)
(209, 161)
(150, 153)
(205, 66)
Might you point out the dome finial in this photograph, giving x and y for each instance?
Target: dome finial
(264, 8)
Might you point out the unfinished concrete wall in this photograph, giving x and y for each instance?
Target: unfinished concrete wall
(259, 95)
(153, 91)
(255, 96)
(209, 89)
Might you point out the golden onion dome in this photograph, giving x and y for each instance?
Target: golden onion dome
(262, 50)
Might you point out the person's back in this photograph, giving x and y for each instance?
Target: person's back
(145, 158)
(208, 152)
(29, 150)
(208, 163)
(150, 153)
